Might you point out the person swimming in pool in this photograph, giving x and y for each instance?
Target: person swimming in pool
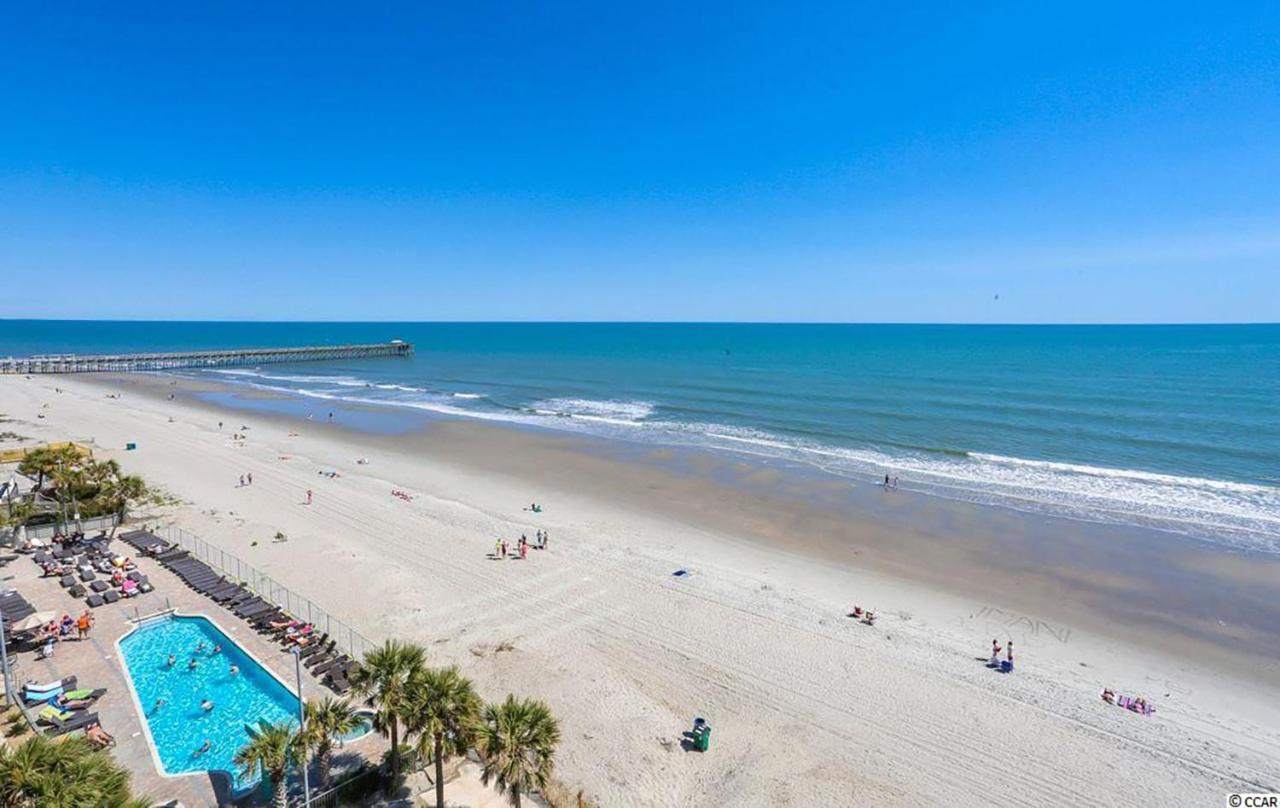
(172, 660)
(192, 665)
(206, 705)
(199, 646)
(217, 649)
(235, 670)
(159, 703)
(205, 747)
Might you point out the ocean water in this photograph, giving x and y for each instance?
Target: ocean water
(1173, 427)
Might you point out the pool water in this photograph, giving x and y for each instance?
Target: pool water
(179, 725)
(364, 725)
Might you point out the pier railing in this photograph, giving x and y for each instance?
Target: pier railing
(264, 586)
(124, 363)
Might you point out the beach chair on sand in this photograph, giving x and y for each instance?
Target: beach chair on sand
(77, 721)
(94, 601)
(110, 596)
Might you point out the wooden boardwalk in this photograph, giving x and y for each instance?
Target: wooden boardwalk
(123, 363)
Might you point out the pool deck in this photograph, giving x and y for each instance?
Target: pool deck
(96, 663)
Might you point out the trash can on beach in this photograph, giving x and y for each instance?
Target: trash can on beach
(701, 734)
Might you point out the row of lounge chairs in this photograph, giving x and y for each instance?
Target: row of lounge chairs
(319, 654)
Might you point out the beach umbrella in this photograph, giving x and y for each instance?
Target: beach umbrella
(33, 621)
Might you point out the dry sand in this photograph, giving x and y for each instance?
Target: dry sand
(809, 708)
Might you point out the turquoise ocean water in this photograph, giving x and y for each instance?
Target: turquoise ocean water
(1174, 427)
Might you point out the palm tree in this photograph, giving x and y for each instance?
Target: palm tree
(326, 718)
(383, 680)
(518, 741)
(118, 491)
(443, 709)
(272, 748)
(62, 774)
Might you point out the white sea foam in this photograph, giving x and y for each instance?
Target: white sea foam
(611, 412)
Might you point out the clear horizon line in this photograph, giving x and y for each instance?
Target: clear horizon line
(1003, 324)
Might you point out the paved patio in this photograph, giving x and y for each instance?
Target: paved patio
(95, 662)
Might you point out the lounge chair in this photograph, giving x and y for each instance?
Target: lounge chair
(67, 580)
(331, 665)
(99, 586)
(241, 604)
(228, 593)
(311, 649)
(34, 694)
(49, 713)
(111, 596)
(257, 608)
(325, 655)
(94, 601)
(136, 576)
(87, 575)
(83, 694)
(78, 721)
(77, 591)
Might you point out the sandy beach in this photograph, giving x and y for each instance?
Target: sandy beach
(809, 707)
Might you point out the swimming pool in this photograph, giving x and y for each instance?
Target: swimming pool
(171, 697)
(364, 725)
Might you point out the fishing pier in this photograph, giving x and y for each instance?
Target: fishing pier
(125, 363)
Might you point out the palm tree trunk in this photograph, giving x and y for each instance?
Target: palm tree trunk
(395, 753)
(325, 763)
(439, 771)
(280, 792)
(515, 796)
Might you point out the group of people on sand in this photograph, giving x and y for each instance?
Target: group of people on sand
(246, 479)
(502, 550)
(865, 615)
(890, 482)
(995, 663)
(405, 495)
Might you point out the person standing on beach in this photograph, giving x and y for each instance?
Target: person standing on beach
(995, 654)
(242, 481)
(497, 548)
(308, 496)
(1009, 656)
(249, 476)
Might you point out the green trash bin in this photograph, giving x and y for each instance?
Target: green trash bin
(701, 734)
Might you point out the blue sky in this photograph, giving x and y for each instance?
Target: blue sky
(858, 162)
